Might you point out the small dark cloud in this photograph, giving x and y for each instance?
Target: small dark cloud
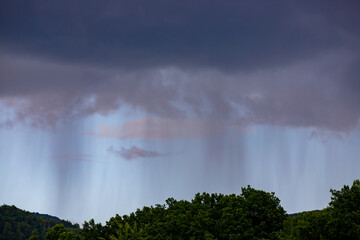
(134, 153)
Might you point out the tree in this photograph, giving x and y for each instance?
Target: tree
(307, 225)
(67, 235)
(341, 220)
(21, 225)
(7, 232)
(34, 237)
(254, 214)
(59, 232)
(345, 205)
(91, 230)
(55, 232)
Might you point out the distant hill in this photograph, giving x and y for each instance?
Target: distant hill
(18, 224)
(47, 216)
(297, 214)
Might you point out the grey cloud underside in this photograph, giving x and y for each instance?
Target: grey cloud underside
(132, 34)
(288, 63)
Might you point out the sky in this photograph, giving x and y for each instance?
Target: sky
(109, 106)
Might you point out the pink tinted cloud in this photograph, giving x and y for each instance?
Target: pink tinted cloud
(44, 93)
(321, 93)
(134, 153)
(157, 128)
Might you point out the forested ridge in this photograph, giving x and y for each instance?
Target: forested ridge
(19, 224)
(253, 214)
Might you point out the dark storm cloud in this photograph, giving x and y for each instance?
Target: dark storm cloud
(291, 63)
(220, 34)
(135, 152)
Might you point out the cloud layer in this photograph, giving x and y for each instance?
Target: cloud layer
(219, 34)
(157, 128)
(281, 63)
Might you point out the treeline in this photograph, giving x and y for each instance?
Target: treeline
(340, 220)
(17, 224)
(254, 214)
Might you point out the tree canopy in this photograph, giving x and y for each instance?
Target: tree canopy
(17, 224)
(340, 220)
(253, 214)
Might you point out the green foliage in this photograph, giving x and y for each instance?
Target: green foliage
(17, 224)
(345, 205)
(59, 232)
(34, 237)
(91, 231)
(307, 225)
(55, 232)
(341, 220)
(254, 214)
